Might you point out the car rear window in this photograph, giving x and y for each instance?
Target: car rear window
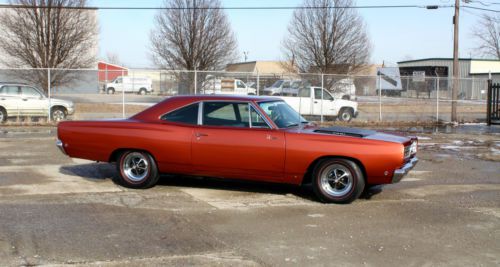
(187, 114)
(9, 90)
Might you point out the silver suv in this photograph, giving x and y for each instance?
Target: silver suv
(20, 100)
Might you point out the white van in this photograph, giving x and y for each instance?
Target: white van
(140, 85)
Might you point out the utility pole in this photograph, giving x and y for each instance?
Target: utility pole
(456, 81)
(245, 55)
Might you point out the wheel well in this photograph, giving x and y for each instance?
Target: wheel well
(114, 155)
(63, 108)
(2, 108)
(307, 179)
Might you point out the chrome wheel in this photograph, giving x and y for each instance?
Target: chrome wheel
(58, 115)
(135, 167)
(336, 180)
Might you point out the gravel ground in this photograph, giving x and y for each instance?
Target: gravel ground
(56, 211)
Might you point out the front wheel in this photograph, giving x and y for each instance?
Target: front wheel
(338, 181)
(345, 114)
(137, 169)
(143, 91)
(111, 91)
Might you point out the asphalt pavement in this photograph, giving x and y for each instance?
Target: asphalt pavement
(57, 211)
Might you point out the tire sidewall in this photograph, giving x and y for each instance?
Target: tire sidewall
(357, 182)
(4, 115)
(343, 111)
(54, 110)
(148, 181)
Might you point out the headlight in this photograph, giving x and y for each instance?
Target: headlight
(413, 148)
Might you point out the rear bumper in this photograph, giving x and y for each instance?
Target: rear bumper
(400, 173)
(356, 113)
(60, 145)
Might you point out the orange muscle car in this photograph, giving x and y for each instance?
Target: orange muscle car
(241, 137)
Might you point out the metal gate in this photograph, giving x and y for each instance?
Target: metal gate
(493, 112)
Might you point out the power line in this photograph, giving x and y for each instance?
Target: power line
(482, 8)
(230, 8)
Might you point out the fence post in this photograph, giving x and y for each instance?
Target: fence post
(379, 97)
(488, 103)
(258, 83)
(123, 97)
(196, 81)
(322, 88)
(49, 94)
(437, 100)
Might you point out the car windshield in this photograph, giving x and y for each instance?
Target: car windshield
(282, 114)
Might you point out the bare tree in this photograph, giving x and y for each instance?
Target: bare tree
(44, 34)
(113, 58)
(329, 39)
(194, 34)
(487, 32)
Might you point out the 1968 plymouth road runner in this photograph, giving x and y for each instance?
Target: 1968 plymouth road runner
(240, 137)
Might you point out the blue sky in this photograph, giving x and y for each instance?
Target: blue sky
(396, 34)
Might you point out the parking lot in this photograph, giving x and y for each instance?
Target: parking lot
(56, 210)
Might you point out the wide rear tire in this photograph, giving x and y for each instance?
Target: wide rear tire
(337, 180)
(136, 169)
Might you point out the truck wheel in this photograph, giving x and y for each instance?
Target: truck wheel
(136, 169)
(143, 91)
(111, 90)
(3, 115)
(58, 114)
(345, 114)
(338, 180)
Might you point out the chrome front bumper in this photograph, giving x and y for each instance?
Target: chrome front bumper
(60, 145)
(400, 173)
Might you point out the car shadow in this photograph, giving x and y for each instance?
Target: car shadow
(235, 185)
(90, 171)
(102, 171)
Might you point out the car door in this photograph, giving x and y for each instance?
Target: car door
(305, 104)
(323, 106)
(230, 144)
(10, 99)
(33, 102)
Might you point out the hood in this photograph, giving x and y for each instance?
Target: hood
(363, 133)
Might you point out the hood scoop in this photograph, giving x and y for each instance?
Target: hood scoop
(353, 132)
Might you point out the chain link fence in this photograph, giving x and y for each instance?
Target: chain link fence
(54, 94)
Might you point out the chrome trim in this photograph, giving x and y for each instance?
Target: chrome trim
(400, 173)
(200, 113)
(257, 109)
(60, 145)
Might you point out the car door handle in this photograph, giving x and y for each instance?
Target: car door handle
(25, 99)
(2, 98)
(315, 102)
(270, 137)
(201, 134)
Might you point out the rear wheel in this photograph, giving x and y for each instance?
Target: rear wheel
(58, 114)
(345, 114)
(3, 115)
(137, 169)
(337, 181)
(143, 91)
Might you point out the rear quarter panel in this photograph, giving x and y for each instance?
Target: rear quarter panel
(378, 158)
(170, 145)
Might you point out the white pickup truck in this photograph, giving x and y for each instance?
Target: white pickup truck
(309, 102)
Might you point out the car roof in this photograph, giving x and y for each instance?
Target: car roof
(174, 102)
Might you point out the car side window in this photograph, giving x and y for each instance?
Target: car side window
(187, 115)
(240, 84)
(306, 92)
(30, 92)
(317, 94)
(9, 90)
(257, 121)
(225, 114)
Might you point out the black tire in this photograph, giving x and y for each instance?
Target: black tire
(143, 91)
(346, 114)
(3, 115)
(134, 173)
(110, 91)
(58, 114)
(339, 189)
